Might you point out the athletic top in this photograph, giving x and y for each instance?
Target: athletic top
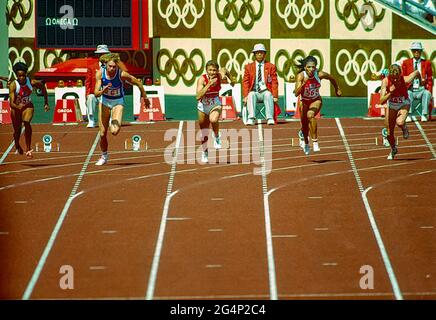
(311, 87)
(116, 91)
(213, 91)
(23, 92)
(399, 95)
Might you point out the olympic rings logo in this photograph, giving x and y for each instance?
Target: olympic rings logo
(351, 14)
(19, 13)
(188, 14)
(52, 57)
(353, 67)
(299, 14)
(287, 65)
(26, 55)
(235, 62)
(136, 58)
(231, 15)
(181, 66)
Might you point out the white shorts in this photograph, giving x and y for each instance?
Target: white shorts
(206, 105)
(398, 105)
(112, 103)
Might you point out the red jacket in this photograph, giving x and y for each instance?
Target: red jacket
(426, 72)
(93, 67)
(270, 73)
(270, 76)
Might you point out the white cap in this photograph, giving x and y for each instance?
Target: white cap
(416, 46)
(102, 48)
(259, 47)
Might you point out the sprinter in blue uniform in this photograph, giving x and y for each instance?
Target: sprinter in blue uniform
(109, 85)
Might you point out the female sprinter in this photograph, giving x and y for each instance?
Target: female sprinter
(209, 105)
(394, 91)
(307, 86)
(109, 85)
(22, 107)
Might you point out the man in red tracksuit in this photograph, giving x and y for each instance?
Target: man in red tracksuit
(419, 89)
(260, 84)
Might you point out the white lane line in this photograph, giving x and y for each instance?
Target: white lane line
(57, 166)
(265, 296)
(7, 152)
(427, 227)
(217, 199)
(314, 198)
(214, 266)
(160, 239)
(178, 219)
(215, 230)
(321, 229)
(57, 228)
(329, 264)
(285, 295)
(4, 233)
(20, 202)
(425, 172)
(382, 248)
(427, 141)
(109, 231)
(9, 148)
(268, 231)
(285, 236)
(411, 196)
(118, 201)
(97, 268)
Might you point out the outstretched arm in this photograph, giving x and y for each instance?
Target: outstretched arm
(325, 75)
(415, 74)
(275, 84)
(98, 90)
(40, 85)
(202, 88)
(133, 80)
(300, 82)
(12, 88)
(385, 92)
(226, 76)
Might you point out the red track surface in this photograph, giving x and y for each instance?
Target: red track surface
(109, 222)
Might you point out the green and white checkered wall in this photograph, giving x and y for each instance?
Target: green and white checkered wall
(187, 33)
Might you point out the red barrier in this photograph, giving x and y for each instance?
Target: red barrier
(153, 113)
(5, 112)
(228, 109)
(67, 111)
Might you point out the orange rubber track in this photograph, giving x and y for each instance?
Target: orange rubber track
(215, 241)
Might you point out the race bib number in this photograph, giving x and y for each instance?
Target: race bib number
(209, 101)
(23, 100)
(416, 84)
(311, 93)
(114, 92)
(397, 100)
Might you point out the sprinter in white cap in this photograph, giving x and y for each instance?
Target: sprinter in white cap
(421, 88)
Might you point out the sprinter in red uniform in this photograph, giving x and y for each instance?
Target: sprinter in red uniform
(307, 87)
(22, 107)
(394, 91)
(209, 104)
